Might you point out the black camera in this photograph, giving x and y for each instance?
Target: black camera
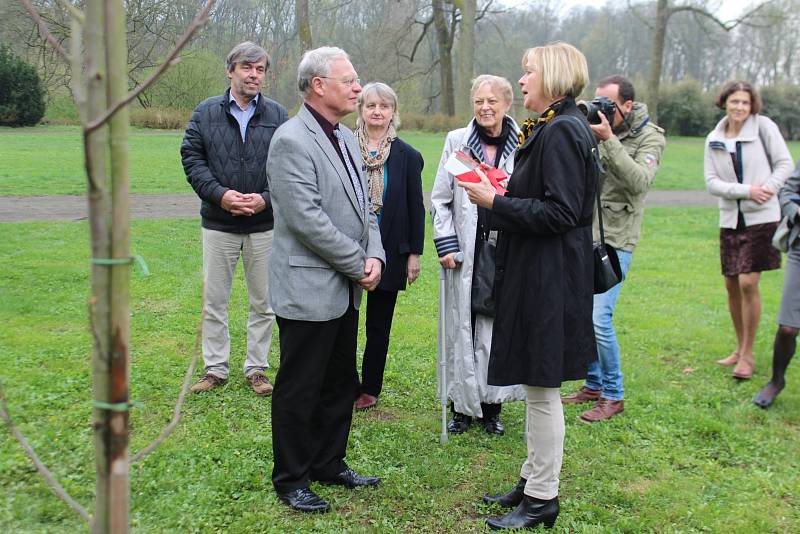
(599, 104)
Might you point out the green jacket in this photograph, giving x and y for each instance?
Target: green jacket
(631, 158)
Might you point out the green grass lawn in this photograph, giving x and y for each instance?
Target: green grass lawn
(690, 453)
(682, 164)
(47, 160)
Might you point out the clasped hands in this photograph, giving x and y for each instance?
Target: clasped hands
(242, 203)
(251, 203)
(372, 270)
(760, 193)
(481, 193)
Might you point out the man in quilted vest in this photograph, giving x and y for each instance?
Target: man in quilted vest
(224, 154)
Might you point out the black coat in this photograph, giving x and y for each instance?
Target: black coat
(543, 332)
(215, 160)
(402, 221)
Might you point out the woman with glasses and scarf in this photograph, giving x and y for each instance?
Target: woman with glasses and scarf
(394, 171)
(491, 137)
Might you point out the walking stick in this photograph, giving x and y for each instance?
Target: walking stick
(442, 357)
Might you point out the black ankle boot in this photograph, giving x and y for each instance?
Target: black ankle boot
(459, 424)
(492, 425)
(528, 514)
(510, 499)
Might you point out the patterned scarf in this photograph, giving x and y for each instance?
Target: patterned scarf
(375, 162)
(530, 125)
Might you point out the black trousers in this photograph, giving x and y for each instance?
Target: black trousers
(312, 404)
(488, 410)
(380, 311)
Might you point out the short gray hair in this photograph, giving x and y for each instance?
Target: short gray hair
(246, 52)
(317, 63)
(382, 91)
(500, 86)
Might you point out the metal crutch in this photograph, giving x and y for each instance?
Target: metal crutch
(441, 356)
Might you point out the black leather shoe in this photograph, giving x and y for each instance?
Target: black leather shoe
(459, 423)
(492, 425)
(510, 499)
(305, 500)
(529, 513)
(351, 479)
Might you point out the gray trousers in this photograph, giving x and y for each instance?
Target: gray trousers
(542, 468)
(221, 251)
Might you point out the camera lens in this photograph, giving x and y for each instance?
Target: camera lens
(591, 110)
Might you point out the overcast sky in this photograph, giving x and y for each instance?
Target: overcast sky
(727, 9)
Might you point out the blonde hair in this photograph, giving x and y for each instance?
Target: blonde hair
(385, 93)
(562, 67)
(499, 85)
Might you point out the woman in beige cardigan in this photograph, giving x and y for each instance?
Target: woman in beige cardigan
(746, 163)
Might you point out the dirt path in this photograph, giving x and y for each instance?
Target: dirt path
(187, 205)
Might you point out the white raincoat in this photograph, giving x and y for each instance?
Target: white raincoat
(454, 215)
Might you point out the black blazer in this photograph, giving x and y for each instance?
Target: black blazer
(403, 214)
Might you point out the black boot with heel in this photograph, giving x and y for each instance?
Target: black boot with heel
(510, 499)
(528, 514)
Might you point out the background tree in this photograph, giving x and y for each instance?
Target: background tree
(422, 47)
(303, 24)
(686, 109)
(21, 91)
(664, 11)
(466, 55)
(444, 22)
(781, 104)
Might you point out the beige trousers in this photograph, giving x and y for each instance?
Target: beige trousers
(545, 418)
(221, 251)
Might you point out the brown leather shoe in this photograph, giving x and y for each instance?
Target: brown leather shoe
(604, 409)
(207, 383)
(260, 385)
(365, 402)
(582, 395)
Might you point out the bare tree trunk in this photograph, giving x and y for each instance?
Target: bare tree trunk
(466, 56)
(119, 362)
(106, 69)
(100, 33)
(303, 24)
(95, 145)
(444, 40)
(657, 57)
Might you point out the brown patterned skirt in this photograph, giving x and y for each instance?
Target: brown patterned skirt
(749, 250)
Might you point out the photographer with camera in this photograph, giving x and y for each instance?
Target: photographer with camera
(631, 146)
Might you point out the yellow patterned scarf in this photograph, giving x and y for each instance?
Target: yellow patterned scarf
(529, 125)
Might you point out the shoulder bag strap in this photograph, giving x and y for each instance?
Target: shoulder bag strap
(763, 144)
(595, 155)
(600, 217)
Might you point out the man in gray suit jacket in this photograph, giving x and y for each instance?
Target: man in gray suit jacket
(326, 249)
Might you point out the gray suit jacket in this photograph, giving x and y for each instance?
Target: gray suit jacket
(789, 208)
(321, 239)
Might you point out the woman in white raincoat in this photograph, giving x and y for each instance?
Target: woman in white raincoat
(492, 137)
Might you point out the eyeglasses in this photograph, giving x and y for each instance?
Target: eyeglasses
(347, 81)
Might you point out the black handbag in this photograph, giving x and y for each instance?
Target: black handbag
(607, 270)
(482, 297)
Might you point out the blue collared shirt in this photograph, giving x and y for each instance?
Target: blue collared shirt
(243, 116)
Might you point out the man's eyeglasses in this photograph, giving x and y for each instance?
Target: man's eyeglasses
(347, 81)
